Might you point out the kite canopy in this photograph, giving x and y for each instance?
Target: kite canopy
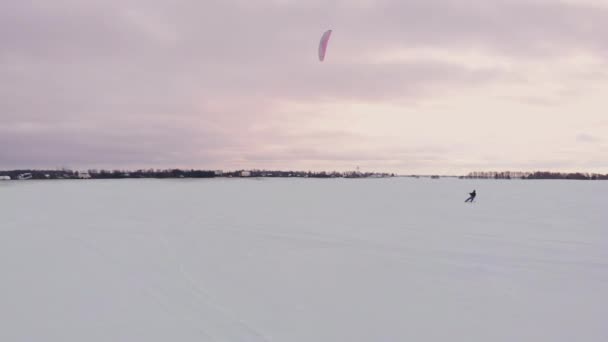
(323, 44)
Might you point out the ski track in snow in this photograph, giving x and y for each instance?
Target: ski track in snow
(153, 292)
(248, 333)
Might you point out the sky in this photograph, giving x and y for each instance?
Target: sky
(419, 86)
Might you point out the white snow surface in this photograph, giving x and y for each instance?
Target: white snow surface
(396, 259)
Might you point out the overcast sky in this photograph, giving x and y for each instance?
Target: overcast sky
(419, 86)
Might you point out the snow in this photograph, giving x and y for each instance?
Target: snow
(395, 259)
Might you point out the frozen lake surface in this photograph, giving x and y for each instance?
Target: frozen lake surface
(306, 260)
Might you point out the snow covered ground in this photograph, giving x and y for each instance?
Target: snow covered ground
(303, 260)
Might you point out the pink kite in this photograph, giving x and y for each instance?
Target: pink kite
(323, 44)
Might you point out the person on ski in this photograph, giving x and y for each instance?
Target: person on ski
(472, 196)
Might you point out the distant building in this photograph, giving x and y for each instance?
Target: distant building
(218, 172)
(245, 174)
(84, 175)
(5, 178)
(25, 176)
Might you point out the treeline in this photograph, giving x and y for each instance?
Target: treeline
(171, 173)
(305, 174)
(577, 175)
(177, 173)
(535, 175)
(40, 174)
(106, 174)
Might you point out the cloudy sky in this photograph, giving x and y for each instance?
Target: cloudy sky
(418, 86)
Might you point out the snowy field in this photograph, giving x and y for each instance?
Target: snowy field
(309, 260)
